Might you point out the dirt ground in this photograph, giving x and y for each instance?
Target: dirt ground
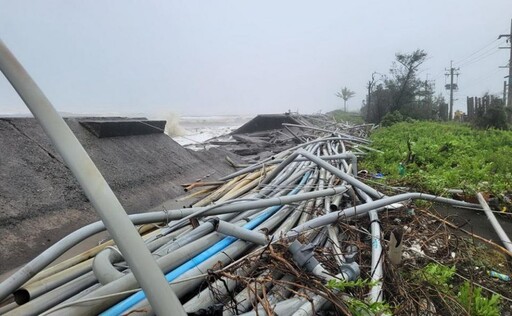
(40, 201)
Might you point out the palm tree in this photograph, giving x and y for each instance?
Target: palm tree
(345, 93)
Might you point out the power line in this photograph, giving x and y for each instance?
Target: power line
(476, 52)
(479, 57)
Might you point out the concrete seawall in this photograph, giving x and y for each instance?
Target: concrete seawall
(40, 201)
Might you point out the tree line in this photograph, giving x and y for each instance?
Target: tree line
(401, 95)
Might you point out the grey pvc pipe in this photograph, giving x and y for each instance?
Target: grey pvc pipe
(278, 156)
(103, 267)
(224, 257)
(335, 203)
(37, 288)
(310, 308)
(247, 295)
(4, 309)
(229, 229)
(335, 244)
(206, 296)
(365, 208)
(377, 271)
(36, 265)
(351, 137)
(94, 185)
(351, 180)
(494, 222)
(244, 206)
(318, 302)
(342, 175)
(128, 282)
(105, 272)
(54, 297)
(22, 275)
(221, 287)
(283, 308)
(200, 231)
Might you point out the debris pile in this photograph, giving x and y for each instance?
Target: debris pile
(294, 233)
(270, 134)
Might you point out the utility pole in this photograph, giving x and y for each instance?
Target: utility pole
(505, 92)
(509, 99)
(451, 87)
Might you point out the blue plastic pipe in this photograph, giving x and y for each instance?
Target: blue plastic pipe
(129, 302)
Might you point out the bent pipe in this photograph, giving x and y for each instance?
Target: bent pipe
(103, 267)
(206, 210)
(342, 175)
(229, 229)
(494, 222)
(49, 255)
(24, 274)
(206, 297)
(127, 304)
(226, 256)
(167, 263)
(365, 208)
(220, 287)
(351, 156)
(95, 187)
(278, 156)
(128, 282)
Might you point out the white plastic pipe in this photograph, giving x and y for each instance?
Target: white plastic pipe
(494, 222)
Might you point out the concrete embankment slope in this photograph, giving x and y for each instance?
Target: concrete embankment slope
(40, 201)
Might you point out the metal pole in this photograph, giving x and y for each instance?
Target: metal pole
(451, 91)
(111, 212)
(509, 100)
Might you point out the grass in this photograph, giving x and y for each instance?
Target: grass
(437, 156)
(351, 117)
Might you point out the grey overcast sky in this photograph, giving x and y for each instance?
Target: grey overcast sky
(242, 57)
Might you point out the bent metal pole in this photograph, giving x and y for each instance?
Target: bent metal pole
(144, 267)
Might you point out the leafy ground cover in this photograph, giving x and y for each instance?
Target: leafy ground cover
(351, 117)
(437, 156)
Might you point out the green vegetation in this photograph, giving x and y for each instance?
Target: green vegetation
(351, 117)
(469, 295)
(404, 92)
(471, 298)
(437, 275)
(343, 285)
(356, 306)
(437, 156)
